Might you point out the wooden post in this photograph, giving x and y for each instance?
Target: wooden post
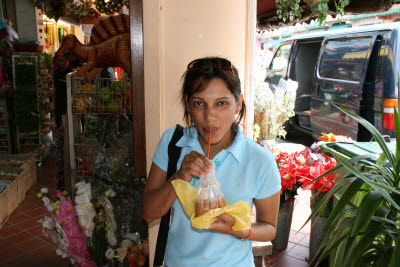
(137, 85)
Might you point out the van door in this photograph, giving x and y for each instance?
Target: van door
(278, 67)
(340, 76)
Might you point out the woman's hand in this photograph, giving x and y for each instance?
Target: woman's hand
(193, 164)
(224, 226)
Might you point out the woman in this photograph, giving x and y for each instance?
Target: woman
(211, 96)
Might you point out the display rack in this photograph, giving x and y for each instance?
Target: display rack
(39, 85)
(101, 97)
(5, 133)
(98, 146)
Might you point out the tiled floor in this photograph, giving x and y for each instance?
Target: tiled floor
(22, 242)
(297, 250)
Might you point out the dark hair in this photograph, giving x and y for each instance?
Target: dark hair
(197, 79)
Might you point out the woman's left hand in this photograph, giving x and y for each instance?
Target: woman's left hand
(224, 226)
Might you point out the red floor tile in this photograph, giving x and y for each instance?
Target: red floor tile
(45, 252)
(31, 223)
(25, 260)
(19, 237)
(57, 261)
(36, 231)
(32, 244)
(4, 243)
(35, 212)
(11, 252)
(18, 217)
(11, 230)
(26, 206)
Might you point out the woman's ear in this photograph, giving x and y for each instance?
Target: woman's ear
(239, 106)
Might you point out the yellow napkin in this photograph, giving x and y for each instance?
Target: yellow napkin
(187, 195)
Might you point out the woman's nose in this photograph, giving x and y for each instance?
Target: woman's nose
(211, 113)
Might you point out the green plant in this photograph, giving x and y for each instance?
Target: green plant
(290, 9)
(320, 8)
(363, 228)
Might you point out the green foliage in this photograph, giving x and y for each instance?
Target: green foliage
(289, 10)
(363, 228)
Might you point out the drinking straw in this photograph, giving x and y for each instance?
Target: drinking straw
(209, 142)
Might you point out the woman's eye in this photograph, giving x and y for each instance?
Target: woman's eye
(197, 104)
(222, 103)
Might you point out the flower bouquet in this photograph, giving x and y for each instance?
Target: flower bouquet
(273, 109)
(85, 229)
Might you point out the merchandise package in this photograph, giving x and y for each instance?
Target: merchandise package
(187, 195)
(210, 195)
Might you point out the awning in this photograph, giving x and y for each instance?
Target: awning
(391, 11)
(341, 25)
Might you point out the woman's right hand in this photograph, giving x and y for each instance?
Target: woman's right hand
(193, 164)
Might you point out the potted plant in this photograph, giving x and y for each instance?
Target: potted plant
(318, 163)
(363, 227)
(289, 168)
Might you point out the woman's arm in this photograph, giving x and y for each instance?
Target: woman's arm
(265, 227)
(159, 194)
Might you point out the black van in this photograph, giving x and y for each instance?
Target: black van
(354, 68)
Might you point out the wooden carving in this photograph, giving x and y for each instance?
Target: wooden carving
(109, 46)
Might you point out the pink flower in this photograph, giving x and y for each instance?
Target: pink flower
(59, 194)
(67, 207)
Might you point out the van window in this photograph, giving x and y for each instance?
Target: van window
(344, 59)
(281, 58)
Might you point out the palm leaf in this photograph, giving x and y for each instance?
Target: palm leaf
(344, 199)
(368, 206)
(395, 262)
(367, 181)
(358, 250)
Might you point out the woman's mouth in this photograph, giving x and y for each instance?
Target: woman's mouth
(212, 129)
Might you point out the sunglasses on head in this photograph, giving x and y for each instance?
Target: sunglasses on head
(219, 63)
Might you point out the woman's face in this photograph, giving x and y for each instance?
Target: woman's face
(214, 109)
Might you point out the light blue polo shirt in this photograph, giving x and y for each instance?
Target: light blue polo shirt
(245, 171)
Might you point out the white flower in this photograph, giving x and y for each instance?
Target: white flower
(135, 237)
(126, 243)
(110, 254)
(44, 190)
(46, 200)
(121, 254)
(47, 222)
(59, 252)
(49, 207)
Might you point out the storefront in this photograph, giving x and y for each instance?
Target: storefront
(163, 61)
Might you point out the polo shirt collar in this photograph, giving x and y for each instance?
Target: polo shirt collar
(190, 139)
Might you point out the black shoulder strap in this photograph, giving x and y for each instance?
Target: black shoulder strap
(174, 153)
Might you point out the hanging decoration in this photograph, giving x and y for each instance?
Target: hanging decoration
(110, 7)
(71, 9)
(54, 9)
